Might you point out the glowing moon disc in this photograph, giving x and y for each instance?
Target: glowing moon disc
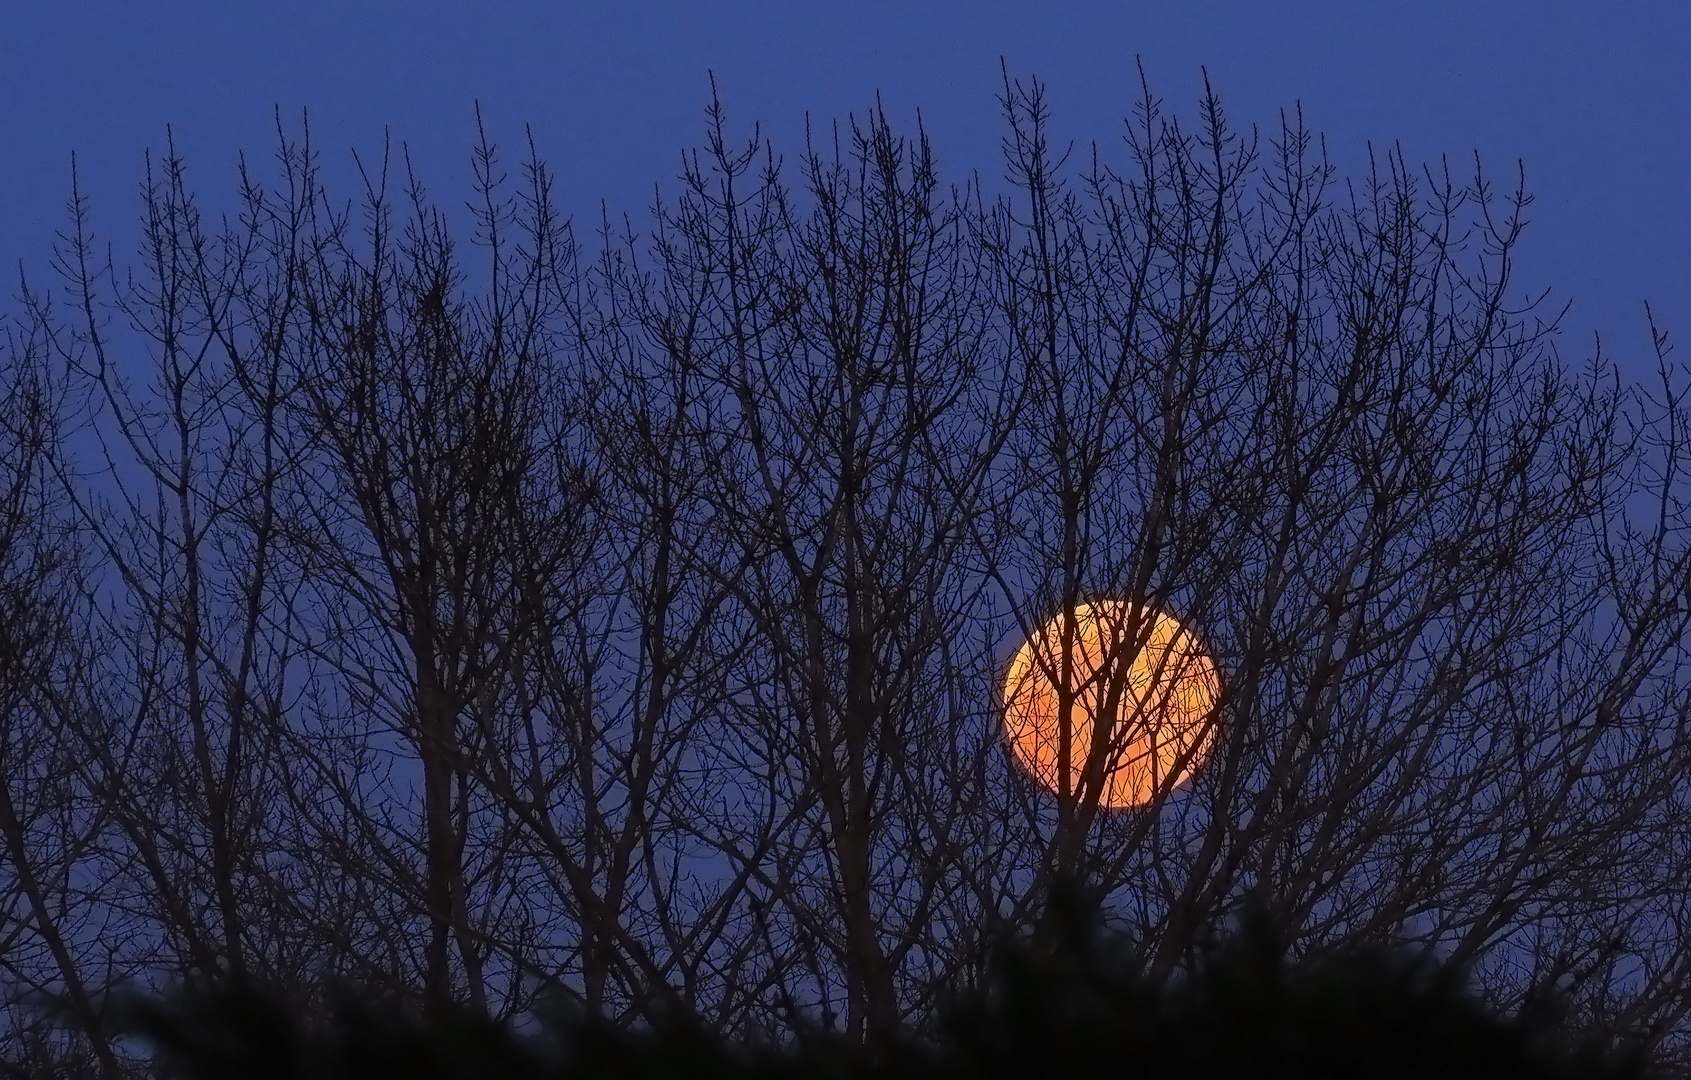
(1160, 697)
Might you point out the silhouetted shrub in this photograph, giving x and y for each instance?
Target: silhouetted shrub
(1070, 1000)
(1082, 1006)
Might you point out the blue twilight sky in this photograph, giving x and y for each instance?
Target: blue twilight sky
(1595, 98)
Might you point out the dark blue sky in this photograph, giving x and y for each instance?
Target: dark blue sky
(1597, 104)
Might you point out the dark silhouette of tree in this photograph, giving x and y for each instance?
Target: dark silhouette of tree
(48, 824)
(486, 623)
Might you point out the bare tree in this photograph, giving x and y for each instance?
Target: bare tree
(844, 362)
(635, 626)
(1323, 436)
(49, 822)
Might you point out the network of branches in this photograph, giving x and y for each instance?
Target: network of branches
(624, 616)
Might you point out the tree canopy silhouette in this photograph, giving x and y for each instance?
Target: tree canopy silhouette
(485, 621)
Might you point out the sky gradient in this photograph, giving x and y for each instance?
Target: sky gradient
(1596, 105)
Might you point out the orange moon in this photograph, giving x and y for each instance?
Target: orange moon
(1160, 696)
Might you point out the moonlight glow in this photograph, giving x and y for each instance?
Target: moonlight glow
(1154, 686)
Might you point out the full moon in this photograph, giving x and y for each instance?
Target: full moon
(1155, 685)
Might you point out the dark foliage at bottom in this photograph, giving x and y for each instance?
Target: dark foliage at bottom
(1069, 1002)
(1243, 1009)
